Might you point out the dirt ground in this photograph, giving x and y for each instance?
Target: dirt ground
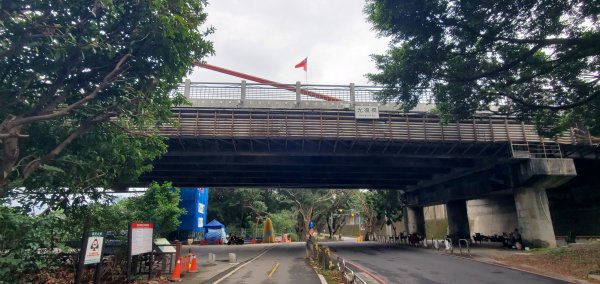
(575, 261)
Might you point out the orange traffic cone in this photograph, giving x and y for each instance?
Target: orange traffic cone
(176, 275)
(193, 267)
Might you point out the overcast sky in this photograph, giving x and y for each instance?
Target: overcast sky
(266, 38)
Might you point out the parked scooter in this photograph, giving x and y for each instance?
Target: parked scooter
(234, 240)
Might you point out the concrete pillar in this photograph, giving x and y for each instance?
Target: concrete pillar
(415, 220)
(352, 94)
(298, 92)
(458, 219)
(533, 217)
(492, 215)
(186, 88)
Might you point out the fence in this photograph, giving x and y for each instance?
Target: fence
(288, 92)
(349, 274)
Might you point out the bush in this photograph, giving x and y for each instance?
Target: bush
(29, 244)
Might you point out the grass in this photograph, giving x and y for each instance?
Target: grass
(331, 276)
(575, 261)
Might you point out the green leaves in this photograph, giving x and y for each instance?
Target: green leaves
(25, 243)
(105, 61)
(159, 205)
(538, 55)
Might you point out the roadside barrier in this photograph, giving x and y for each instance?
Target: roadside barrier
(193, 265)
(176, 275)
(349, 276)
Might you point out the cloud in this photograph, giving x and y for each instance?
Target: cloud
(266, 38)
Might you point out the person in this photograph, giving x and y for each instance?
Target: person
(518, 242)
(309, 245)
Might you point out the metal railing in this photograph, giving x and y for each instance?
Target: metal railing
(287, 92)
(349, 274)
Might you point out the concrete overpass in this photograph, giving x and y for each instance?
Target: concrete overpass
(252, 135)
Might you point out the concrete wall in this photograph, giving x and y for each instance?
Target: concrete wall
(436, 221)
(492, 215)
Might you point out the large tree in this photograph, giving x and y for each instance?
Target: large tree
(89, 67)
(538, 60)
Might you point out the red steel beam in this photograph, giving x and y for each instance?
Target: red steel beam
(267, 82)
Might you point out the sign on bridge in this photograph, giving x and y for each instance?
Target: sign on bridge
(366, 112)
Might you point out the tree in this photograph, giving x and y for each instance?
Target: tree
(365, 202)
(314, 205)
(539, 59)
(158, 205)
(240, 207)
(68, 68)
(90, 165)
(386, 205)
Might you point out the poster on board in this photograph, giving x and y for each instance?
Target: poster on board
(93, 248)
(141, 238)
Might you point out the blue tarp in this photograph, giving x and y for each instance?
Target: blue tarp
(214, 224)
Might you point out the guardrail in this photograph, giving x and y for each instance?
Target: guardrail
(287, 92)
(350, 276)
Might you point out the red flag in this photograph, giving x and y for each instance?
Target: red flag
(303, 63)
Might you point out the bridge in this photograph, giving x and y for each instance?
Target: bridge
(276, 135)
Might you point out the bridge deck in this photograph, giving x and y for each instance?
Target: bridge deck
(343, 126)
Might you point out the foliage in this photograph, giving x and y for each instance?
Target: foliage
(100, 70)
(158, 205)
(284, 222)
(386, 205)
(541, 57)
(365, 203)
(26, 243)
(96, 161)
(240, 207)
(315, 205)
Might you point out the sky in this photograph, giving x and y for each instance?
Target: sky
(267, 38)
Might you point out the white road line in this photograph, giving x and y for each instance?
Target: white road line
(240, 267)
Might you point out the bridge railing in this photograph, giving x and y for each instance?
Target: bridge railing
(287, 92)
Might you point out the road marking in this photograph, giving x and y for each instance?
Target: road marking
(273, 270)
(240, 267)
(367, 272)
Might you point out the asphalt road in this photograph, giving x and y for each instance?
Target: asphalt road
(401, 264)
(292, 267)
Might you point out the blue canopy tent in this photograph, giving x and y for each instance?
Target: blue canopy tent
(215, 231)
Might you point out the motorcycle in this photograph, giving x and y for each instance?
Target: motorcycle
(235, 240)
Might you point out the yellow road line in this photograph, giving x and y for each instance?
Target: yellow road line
(273, 270)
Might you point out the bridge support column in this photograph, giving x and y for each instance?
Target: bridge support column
(458, 219)
(415, 220)
(533, 217)
(531, 200)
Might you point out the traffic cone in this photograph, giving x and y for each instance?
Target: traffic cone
(193, 267)
(176, 275)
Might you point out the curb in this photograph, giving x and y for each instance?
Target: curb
(323, 281)
(362, 269)
(321, 277)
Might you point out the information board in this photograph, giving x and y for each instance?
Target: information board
(141, 238)
(93, 248)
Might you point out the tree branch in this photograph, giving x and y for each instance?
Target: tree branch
(501, 69)
(584, 101)
(84, 127)
(108, 79)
